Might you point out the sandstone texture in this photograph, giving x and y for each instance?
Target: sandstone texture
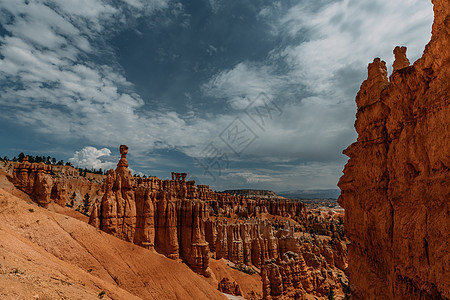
(396, 184)
(228, 287)
(310, 267)
(286, 278)
(35, 180)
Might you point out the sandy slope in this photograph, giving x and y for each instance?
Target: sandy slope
(46, 255)
(251, 285)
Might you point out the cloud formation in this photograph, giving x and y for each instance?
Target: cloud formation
(315, 72)
(91, 157)
(56, 79)
(62, 78)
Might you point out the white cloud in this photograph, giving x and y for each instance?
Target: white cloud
(51, 82)
(323, 70)
(242, 84)
(351, 33)
(215, 5)
(91, 157)
(325, 52)
(249, 178)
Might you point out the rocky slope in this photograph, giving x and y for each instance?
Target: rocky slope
(396, 184)
(46, 255)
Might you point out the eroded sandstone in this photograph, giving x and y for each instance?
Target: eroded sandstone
(396, 184)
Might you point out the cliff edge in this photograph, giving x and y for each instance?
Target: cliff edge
(396, 184)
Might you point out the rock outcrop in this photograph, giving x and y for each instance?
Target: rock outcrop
(287, 278)
(228, 287)
(35, 180)
(396, 184)
(55, 184)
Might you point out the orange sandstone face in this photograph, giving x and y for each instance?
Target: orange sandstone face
(123, 149)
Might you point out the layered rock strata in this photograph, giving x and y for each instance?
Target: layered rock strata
(396, 184)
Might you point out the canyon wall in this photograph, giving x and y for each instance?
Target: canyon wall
(396, 184)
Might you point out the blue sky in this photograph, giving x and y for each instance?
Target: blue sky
(239, 94)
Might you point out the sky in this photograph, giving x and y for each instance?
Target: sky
(239, 94)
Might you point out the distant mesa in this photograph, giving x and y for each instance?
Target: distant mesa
(312, 194)
(253, 194)
(294, 194)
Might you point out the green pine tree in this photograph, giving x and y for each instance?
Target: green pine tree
(86, 204)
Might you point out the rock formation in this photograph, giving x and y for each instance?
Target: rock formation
(228, 287)
(307, 265)
(175, 218)
(287, 278)
(35, 180)
(396, 184)
(192, 223)
(49, 183)
(250, 242)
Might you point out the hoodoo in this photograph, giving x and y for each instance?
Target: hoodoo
(396, 184)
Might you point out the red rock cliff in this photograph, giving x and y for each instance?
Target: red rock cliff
(396, 184)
